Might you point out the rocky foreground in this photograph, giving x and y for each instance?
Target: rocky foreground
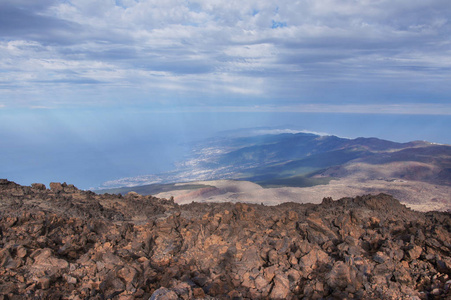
(63, 243)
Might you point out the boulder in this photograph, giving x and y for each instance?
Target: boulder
(310, 261)
(281, 287)
(38, 186)
(46, 262)
(340, 276)
(56, 187)
(414, 251)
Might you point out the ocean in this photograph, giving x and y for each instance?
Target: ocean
(89, 147)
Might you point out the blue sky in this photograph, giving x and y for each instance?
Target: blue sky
(96, 90)
(307, 56)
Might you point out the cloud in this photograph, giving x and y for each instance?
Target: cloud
(406, 109)
(281, 131)
(311, 52)
(401, 109)
(17, 21)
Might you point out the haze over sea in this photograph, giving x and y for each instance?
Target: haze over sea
(88, 147)
(92, 91)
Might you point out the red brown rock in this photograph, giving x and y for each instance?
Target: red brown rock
(65, 243)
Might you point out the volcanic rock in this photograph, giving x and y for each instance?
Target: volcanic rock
(64, 243)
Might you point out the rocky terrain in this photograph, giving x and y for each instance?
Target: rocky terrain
(64, 243)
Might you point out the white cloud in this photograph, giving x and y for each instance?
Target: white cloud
(401, 109)
(323, 54)
(281, 131)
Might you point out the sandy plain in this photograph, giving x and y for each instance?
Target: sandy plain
(417, 195)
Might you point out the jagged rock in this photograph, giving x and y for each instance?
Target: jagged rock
(129, 275)
(261, 284)
(183, 290)
(311, 260)
(46, 262)
(70, 279)
(198, 293)
(38, 186)
(132, 195)
(70, 188)
(281, 287)
(6, 261)
(402, 275)
(414, 252)
(64, 243)
(164, 294)
(45, 282)
(340, 276)
(21, 251)
(380, 257)
(56, 187)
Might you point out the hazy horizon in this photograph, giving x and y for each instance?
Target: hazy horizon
(90, 89)
(87, 148)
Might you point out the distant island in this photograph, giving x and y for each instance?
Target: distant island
(303, 167)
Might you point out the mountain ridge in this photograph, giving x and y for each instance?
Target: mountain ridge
(233, 158)
(307, 167)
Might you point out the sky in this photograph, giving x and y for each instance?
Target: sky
(349, 56)
(96, 90)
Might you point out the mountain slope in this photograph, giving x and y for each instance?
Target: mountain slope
(304, 154)
(418, 173)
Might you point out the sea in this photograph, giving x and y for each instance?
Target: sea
(87, 147)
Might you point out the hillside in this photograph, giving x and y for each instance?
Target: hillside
(305, 167)
(262, 159)
(63, 243)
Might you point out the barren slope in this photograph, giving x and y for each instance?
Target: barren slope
(416, 194)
